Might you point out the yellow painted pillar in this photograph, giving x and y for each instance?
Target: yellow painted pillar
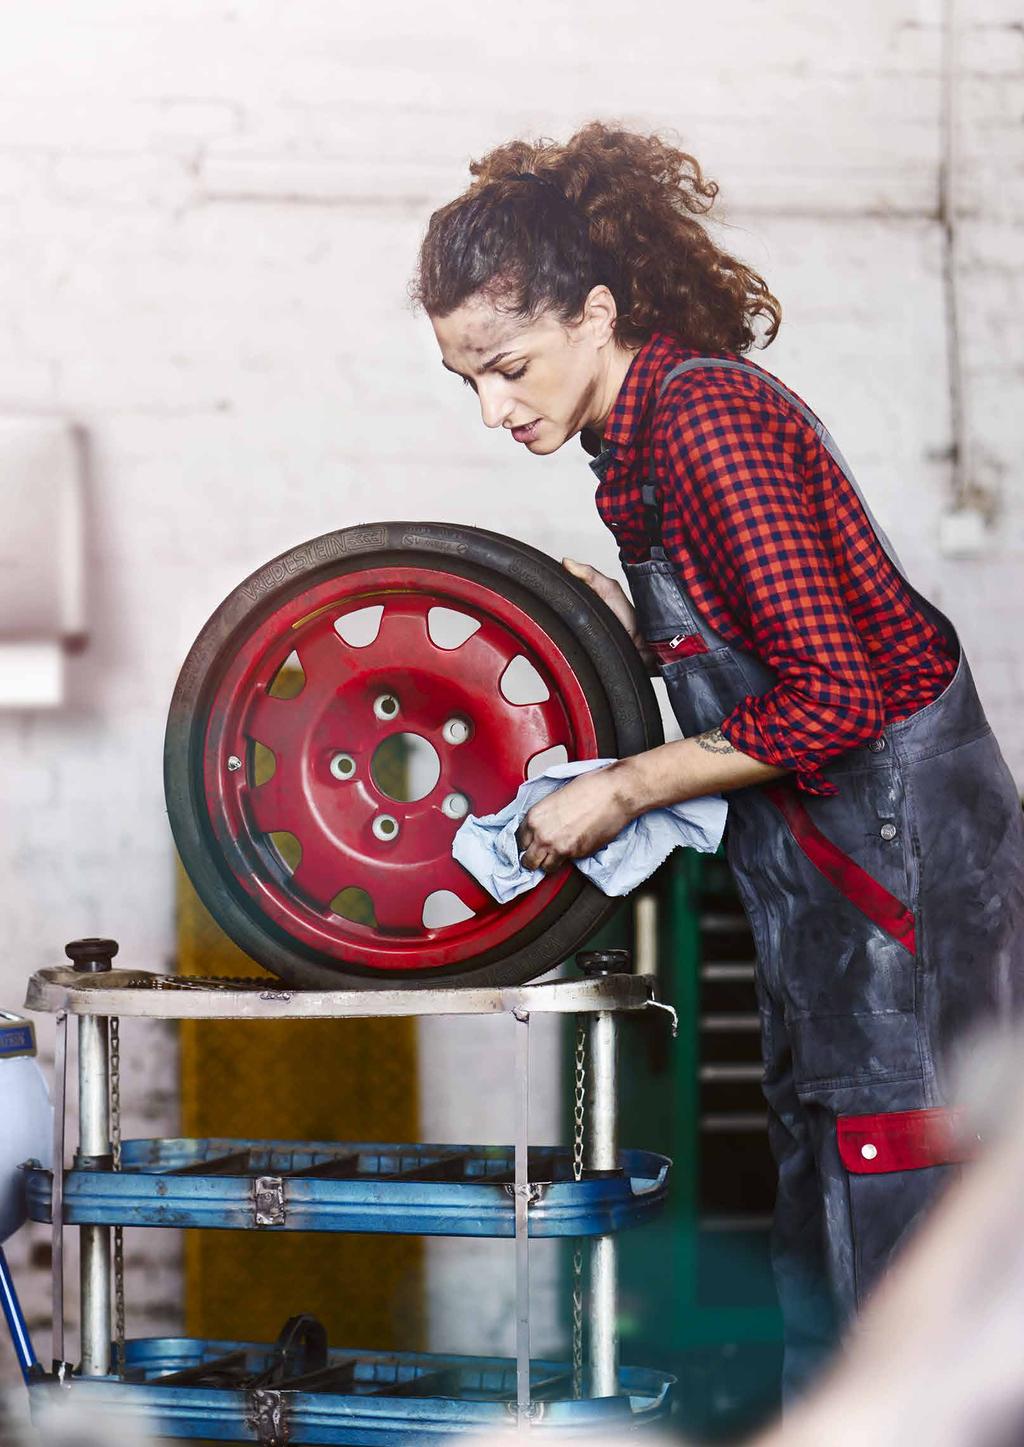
(332, 1080)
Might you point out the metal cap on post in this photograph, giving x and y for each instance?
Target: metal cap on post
(91, 955)
(605, 962)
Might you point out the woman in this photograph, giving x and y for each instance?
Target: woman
(874, 831)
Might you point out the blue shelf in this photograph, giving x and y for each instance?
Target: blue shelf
(428, 1190)
(384, 1397)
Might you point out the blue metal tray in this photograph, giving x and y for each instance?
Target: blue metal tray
(328, 1186)
(371, 1398)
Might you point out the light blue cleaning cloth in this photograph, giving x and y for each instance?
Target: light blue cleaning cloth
(487, 847)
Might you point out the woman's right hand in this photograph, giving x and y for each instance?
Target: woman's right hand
(614, 595)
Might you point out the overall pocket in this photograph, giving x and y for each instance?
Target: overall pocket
(704, 688)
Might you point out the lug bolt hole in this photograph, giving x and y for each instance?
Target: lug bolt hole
(385, 827)
(456, 731)
(343, 766)
(386, 706)
(455, 806)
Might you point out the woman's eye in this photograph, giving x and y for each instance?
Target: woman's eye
(514, 376)
(468, 382)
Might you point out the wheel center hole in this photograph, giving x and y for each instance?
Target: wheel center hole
(405, 767)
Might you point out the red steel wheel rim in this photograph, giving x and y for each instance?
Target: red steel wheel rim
(341, 717)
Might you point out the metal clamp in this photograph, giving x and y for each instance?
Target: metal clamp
(267, 1417)
(268, 1201)
(532, 1192)
(528, 1415)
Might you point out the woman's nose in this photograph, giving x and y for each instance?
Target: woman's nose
(495, 405)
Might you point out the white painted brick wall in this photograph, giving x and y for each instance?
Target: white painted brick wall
(208, 215)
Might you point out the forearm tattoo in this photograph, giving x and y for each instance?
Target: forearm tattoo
(715, 742)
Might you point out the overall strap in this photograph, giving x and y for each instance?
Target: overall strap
(652, 501)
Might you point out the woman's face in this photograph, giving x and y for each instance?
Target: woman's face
(542, 380)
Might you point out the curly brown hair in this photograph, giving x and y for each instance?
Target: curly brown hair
(542, 224)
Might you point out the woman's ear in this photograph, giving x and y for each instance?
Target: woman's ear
(599, 314)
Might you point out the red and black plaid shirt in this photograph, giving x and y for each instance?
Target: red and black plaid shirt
(775, 549)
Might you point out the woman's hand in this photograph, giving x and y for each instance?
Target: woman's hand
(575, 820)
(612, 593)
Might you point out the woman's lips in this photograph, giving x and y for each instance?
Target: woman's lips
(527, 433)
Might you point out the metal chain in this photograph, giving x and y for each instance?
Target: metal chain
(115, 1142)
(579, 1102)
(115, 1090)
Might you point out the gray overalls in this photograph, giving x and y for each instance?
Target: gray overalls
(889, 925)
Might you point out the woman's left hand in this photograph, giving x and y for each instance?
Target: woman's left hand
(574, 821)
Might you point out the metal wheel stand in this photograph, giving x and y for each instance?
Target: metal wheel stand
(97, 994)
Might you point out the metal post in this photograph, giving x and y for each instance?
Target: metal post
(522, 1218)
(604, 1310)
(601, 1137)
(645, 933)
(60, 1098)
(94, 1153)
(601, 1153)
(94, 1150)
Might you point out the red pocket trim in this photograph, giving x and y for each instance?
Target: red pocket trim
(683, 645)
(870, 897)
(903, 1140)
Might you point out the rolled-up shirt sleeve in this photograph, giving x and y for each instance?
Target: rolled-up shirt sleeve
(735, 472)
